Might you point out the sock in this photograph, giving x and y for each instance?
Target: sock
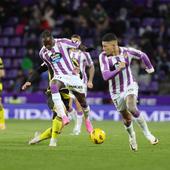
(2, 119)
(142, 123)
(56, 127)
(79, 120)
(59, 106)
(46, 134)
(130, 130)
(72, 114)
(86, 112)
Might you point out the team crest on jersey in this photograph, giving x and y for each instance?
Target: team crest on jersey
(55, 57)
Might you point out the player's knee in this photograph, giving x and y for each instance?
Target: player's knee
(127, 122)
(86, 109)
(84, 104)
(134, 111)
(131, 108)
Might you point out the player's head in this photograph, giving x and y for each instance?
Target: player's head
(110, 44)
(76, 38)
(47, 39)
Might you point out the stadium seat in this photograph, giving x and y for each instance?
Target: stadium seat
(4, 41)
(8, 31)
(10, 52)
(15, 42)
(1, 52)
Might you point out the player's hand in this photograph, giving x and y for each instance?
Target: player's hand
(121, 65)
(89, 84)
(26, 85)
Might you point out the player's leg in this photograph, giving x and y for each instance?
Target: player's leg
(2, 117)
(119, 102)
(79, 118)
(131, 101)
(86, 110)
(127, 120)
(72, 113)
(56, 130)
(48, 132)
(79, 115)
(55, 85)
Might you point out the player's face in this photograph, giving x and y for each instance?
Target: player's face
(110, 47)
(48, 42)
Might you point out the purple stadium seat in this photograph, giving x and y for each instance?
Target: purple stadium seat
(7, 62)
(8, 31)
(4, 42)
(11, 73)
(148, 22)
(11, 21)
(1, 52)
(10, 52)
(15, 42)
(21, 52)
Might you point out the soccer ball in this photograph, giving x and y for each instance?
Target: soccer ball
(97, 136)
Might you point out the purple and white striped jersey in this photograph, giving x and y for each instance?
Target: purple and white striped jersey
(58, 58)
(119, 80)
(84, 60)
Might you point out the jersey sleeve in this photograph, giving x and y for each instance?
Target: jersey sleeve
(139, 55)
(69, 43)
(88, 59)
(104, 65)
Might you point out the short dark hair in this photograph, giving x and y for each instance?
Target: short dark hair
(109, 37)
(76, 36)
(46, 34)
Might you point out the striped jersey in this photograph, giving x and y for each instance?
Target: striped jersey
(58, 58)
(122, 79)
(84, 60)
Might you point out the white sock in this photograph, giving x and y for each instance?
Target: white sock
(79, 120)
(143, 125)
(72, 114)
(130, 130)
(59, 106)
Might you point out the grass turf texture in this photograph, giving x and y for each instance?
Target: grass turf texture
(78, 152)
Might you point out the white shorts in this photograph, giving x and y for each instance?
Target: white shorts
(85, 90)
(72, 82)
(119, 99)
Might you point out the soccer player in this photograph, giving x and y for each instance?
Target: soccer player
(56, 56)
(2, 119)
(115, 67)
(64, 95)
(84, 61)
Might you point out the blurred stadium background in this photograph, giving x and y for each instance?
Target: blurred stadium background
(143, 24)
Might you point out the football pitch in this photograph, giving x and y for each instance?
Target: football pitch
(78, 152)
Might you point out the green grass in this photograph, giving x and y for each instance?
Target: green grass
(78, 152)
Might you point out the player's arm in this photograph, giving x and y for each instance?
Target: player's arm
(91, 76)
(34, 76)
(91, 70)
(69, 43)
(137, 54)
(105, 69)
